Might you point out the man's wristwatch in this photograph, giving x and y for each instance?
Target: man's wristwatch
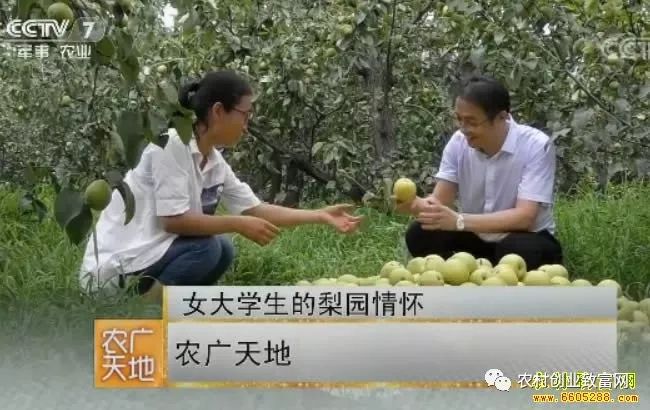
(460, 222)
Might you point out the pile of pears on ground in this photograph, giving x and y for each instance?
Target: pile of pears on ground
(463, 269)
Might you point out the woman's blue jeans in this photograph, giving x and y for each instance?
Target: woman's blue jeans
(189, 261)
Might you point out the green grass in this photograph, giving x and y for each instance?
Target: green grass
(603, 237)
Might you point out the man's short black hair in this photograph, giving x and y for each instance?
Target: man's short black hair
(487, 93)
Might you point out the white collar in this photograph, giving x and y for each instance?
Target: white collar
(198, 156)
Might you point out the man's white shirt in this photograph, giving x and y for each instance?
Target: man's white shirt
(524, 168)
(166, 182)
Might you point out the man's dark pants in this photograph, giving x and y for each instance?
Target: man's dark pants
(537, 248)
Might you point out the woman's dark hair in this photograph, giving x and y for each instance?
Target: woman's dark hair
(486, 93)
(225, 87)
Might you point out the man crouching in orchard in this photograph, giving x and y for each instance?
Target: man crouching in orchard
(502, 174)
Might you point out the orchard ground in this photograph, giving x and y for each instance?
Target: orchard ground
(604, 236)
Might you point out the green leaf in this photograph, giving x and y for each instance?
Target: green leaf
(130, 128)
(67, 206)
(30, 203)
(581, 118)
(514, 79)
(124, 44)
(31, 177)
(183, 126)
(317, 146)
(168, 92)
(498, 37)
(530, 64)
(26, 203)
(40, 208)
(24, 7)
(113, 177)
(644, 92)
(117, 145)
(130, 67)
(105, 47)
(477, 56)
(129, 201)
(116, 181)
(622, 105)
(157, 125)
(97, 57)
(561, 133)
(79, 227)
(191, 22)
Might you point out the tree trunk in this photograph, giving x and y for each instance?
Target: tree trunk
(381, 112)
(276, 177)
(294, 183)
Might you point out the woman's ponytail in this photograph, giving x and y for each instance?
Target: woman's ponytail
(186, 93)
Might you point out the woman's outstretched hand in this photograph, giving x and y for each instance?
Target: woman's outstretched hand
(339, 217)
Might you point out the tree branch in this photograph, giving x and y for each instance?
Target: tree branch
(92, 95)
(305, 166)
(388, 75)
(422, 12)
(301, 163)
(598, 102)
(633, 26)
(321, 117)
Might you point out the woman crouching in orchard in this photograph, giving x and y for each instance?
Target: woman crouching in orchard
(174, 237)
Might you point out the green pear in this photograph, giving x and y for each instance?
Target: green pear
(405, 283)
(626, 312)
(641, 317)
(431, 278)
(416, 265)
(404, 189)
(581, 282)
(560, 281)
(400, 274)
(388, 267)
(621, 301)
(623, 325)
(612, 283)
(537, 278)
(494, 281)
(434, 262)
(483, 262)
(455, 271)
(468, 258)
(635, 330)
(303, 283)
(324, 282)
(347, 284)
(480, 274)
(507, 273)
(517, 262)
(521, 284)
(348, 278)
(555, 270)
(644, 306)
(369, 281)
(633, 303)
